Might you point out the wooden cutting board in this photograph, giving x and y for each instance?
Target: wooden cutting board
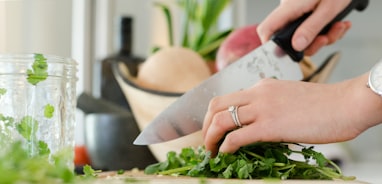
(138, 177)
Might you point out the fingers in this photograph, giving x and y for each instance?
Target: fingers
(306, 34)
(223, 123)
(277, 19)
(218, 120)
(221, 103)
(243, 136)
(311, 27)
(336, 32)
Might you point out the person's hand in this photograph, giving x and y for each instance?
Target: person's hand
(291, 111)
(305, 37)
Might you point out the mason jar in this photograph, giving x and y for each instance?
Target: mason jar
(37, 104)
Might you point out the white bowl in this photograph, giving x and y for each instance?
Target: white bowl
(146, 104)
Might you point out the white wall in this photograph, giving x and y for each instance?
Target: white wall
(150, 27)
(44, 26)
(35, 26)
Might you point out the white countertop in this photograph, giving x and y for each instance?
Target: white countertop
(370, 172)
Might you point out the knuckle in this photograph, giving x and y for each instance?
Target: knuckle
(214, 103)
(218, 121)
(231, 139)
(266, 82)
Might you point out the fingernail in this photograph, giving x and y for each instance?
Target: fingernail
(300, 43)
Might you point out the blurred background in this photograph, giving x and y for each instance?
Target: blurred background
(89, 31)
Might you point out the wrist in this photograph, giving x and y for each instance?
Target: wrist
(367, 102)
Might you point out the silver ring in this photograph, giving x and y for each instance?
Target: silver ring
(235, 117)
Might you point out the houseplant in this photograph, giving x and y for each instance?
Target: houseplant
(199, 29)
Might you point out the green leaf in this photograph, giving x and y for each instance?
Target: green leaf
(18, 166)
(120, 171)
(3, 91)
(89, 172)
(190, 8)
(256, 161)
(43, 148)
(168, 16)
(200, 167)
(244, 169)
(211, 10)
(199, 25)
(48, 111)
(221, 162)
(27, 127)
(39, 69)
(228, 172)
(155, 49)
(210, 47)
(8, 121)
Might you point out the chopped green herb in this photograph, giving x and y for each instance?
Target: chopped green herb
(39, 69)
(134, 180)
(27, 127)
(8, 121)
(89, 172)
(43, 148)
(121, 171)
(48, 111)
(16, 166)
(3, 91)
(257, 161)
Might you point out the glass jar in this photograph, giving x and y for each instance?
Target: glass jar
(37, 104)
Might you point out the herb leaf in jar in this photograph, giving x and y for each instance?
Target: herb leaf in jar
(39, 69)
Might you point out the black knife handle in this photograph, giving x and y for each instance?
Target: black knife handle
(283, 38)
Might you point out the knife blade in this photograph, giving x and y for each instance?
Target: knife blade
(274, 59)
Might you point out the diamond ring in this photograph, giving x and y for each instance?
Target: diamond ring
(235, 117)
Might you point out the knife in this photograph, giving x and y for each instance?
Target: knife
(276, 59)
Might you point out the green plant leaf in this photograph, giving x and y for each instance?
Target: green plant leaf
(199, 25)
(48, 111)
(43, 148)
(256, 161)
(213, 44)
(8, 121)
(39, 69)
(168, 16)
(211, 10)
(190, 8)
(89, 171)
(27, 127)
(3, 91)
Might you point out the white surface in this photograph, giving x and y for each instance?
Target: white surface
(370, 172)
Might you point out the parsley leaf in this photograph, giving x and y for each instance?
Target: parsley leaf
(39, 69)
(89, 172)
(3, 91)
(48, 111)
(8, 121)
(17, 166)
(43, 148)
(120, 171)
(27, 127)
(256, 161)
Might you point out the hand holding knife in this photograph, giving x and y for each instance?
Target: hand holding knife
(186, 115)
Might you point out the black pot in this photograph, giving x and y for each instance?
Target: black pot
(109, 141)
